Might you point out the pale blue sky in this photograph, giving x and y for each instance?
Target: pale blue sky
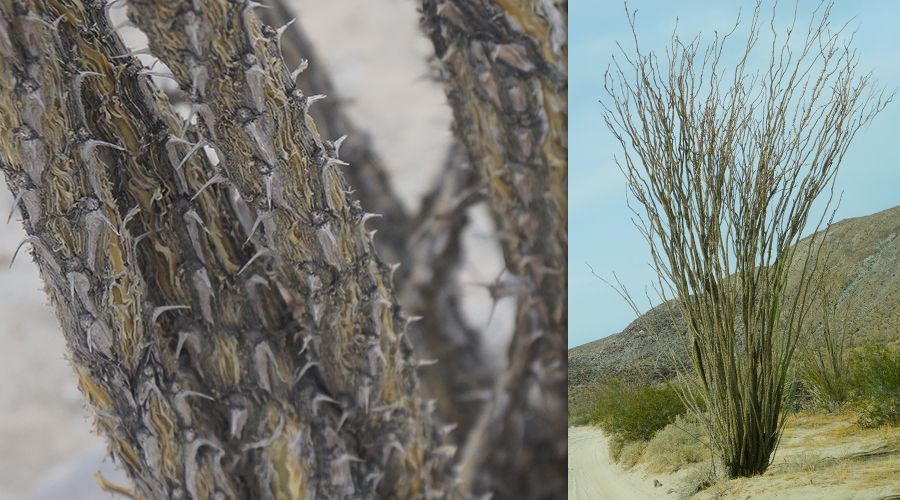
(600, 227)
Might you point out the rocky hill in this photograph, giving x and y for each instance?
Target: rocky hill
(633, 353)
(862, 280)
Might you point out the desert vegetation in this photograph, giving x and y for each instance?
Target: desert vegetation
(649, 423)
(724, 166)
(875, 385)
(634, 412)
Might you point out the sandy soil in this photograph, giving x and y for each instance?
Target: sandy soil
(593, 477)
(378, 61)
(819, 459)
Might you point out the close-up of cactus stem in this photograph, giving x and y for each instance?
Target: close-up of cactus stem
(235, 326)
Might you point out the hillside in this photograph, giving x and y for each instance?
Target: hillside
(863, 279)
(633, 353)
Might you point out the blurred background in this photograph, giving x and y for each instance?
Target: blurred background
(377, 58)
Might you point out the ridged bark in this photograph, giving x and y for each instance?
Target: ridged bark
(365, 173)
(427, 245)
(504, 66)
(237, 339)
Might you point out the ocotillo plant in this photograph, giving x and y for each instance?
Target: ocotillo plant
(727, 171)
(230, 323)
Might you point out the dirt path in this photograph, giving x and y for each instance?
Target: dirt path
(593, 477)
(814, 462)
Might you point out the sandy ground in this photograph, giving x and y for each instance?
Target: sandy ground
(593, 477)
(817, 460)
(378, 61)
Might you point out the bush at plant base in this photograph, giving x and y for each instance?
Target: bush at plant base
(632, 412)
(876, 381)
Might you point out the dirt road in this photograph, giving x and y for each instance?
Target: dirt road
(593, 477)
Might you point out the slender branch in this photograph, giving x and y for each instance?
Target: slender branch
(365, 173)
(424, 279)
(504, 70)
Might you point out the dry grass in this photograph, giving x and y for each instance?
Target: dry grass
(828, 426)
(805, 462)
(842, 430)
(818, 455)
(840, 473)
(632, 452)
(810, 419)
(679, 444)
(615, 450)
(836, 426)
(877, 472)
(809, 434)
(890, 435)
(820, 429)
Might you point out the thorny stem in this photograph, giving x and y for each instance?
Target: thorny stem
(314, 295)
(366, 174)
(427, 246)
(504, 66)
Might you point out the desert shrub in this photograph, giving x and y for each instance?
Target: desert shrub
(607, 401)
(697, 479)
(579, 418)
(880, 412)
(615, 449)
(820, 385)
(876, 380)
(800, 395)
(632, 451)
(678, 444)
(634, 412)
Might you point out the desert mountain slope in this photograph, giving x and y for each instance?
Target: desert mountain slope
(863, 277)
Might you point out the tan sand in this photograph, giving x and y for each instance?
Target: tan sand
(593, 477)
(819, 459)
